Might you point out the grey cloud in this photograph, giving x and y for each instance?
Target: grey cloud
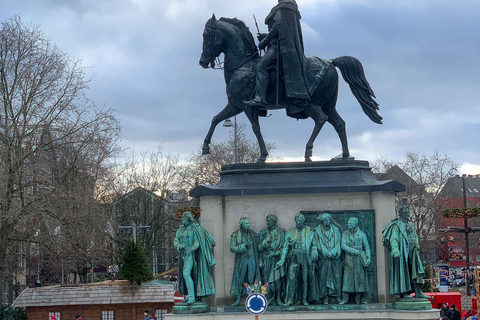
(421, 60)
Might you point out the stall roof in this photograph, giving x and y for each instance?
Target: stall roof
(108, 292)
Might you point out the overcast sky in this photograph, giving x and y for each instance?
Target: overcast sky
(422, 59)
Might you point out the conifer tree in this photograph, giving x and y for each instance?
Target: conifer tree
(135, 264)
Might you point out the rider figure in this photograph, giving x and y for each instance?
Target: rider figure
(284, 38)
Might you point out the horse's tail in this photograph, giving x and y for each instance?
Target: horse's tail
(352, 72)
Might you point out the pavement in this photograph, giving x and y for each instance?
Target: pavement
(466, 301)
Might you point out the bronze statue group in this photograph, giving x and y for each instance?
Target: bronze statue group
(302, 265)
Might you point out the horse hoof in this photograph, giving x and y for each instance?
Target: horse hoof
(308, 153)
(205, 151)
(260, 160)
(307, 159)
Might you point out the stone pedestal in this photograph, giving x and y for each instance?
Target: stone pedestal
(381, 314)
(284, 189)
(342, 188)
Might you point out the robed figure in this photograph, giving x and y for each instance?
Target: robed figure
(357, 259)
(300, 253)
(285, 42)
(329, 264)
(270, 247)
(244, 243)
(406, 270)
(195, 246)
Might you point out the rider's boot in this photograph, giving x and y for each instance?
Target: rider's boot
(257, 101)
(260, 99)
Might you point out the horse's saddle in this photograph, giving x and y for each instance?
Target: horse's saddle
(315, 72)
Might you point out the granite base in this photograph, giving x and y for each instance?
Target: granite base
(346, 312)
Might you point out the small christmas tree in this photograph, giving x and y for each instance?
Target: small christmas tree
(135, 264)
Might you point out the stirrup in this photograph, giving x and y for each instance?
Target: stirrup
(255, 103)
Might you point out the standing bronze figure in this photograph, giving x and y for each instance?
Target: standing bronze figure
(195, 246)
(357, 259)
(329, 264)
(406, 269)
(300, 253)
(244, 243)
(271, 246)
(233, 38)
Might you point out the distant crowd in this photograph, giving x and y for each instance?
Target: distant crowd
(452, 313)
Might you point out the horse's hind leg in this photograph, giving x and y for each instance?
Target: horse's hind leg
(320, 118)
(339, 124)
(252, 115)
(227, 112)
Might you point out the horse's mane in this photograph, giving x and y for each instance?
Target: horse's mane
(244, 33)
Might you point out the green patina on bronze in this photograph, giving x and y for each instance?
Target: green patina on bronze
(195, 247)
(412, 304)
(461, 212)
(329, 263)
(270, 247)
(406, 270)
(196, 307)
(357, 259)
(298, 257)
(244, 244)
(316, 307)
(366, 224)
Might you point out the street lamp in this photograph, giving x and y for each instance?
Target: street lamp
(228, 124)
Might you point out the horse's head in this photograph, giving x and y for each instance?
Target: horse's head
(212, 43)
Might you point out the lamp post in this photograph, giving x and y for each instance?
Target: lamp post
(133, 229)
(467, 244)
(228, 124)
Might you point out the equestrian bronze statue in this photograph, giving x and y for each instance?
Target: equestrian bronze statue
(320, 80)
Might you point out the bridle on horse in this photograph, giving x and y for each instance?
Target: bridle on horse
(222, 65)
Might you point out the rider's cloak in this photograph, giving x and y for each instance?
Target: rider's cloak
(285, 19)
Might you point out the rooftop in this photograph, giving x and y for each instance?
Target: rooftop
(107, 292)
(454, 187)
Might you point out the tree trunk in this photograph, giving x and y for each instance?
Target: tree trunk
(2, 273)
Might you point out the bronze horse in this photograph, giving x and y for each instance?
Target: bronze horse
(233, 38)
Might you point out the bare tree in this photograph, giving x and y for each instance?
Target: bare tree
(147, 193)
(206, 169)
(429, 174)
(46, 118)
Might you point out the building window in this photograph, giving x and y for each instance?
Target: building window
(56, 314)
(160, 314)
(107, 315)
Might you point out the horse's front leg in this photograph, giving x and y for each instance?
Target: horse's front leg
(227, 112)
(252, 115)
(320, 118)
